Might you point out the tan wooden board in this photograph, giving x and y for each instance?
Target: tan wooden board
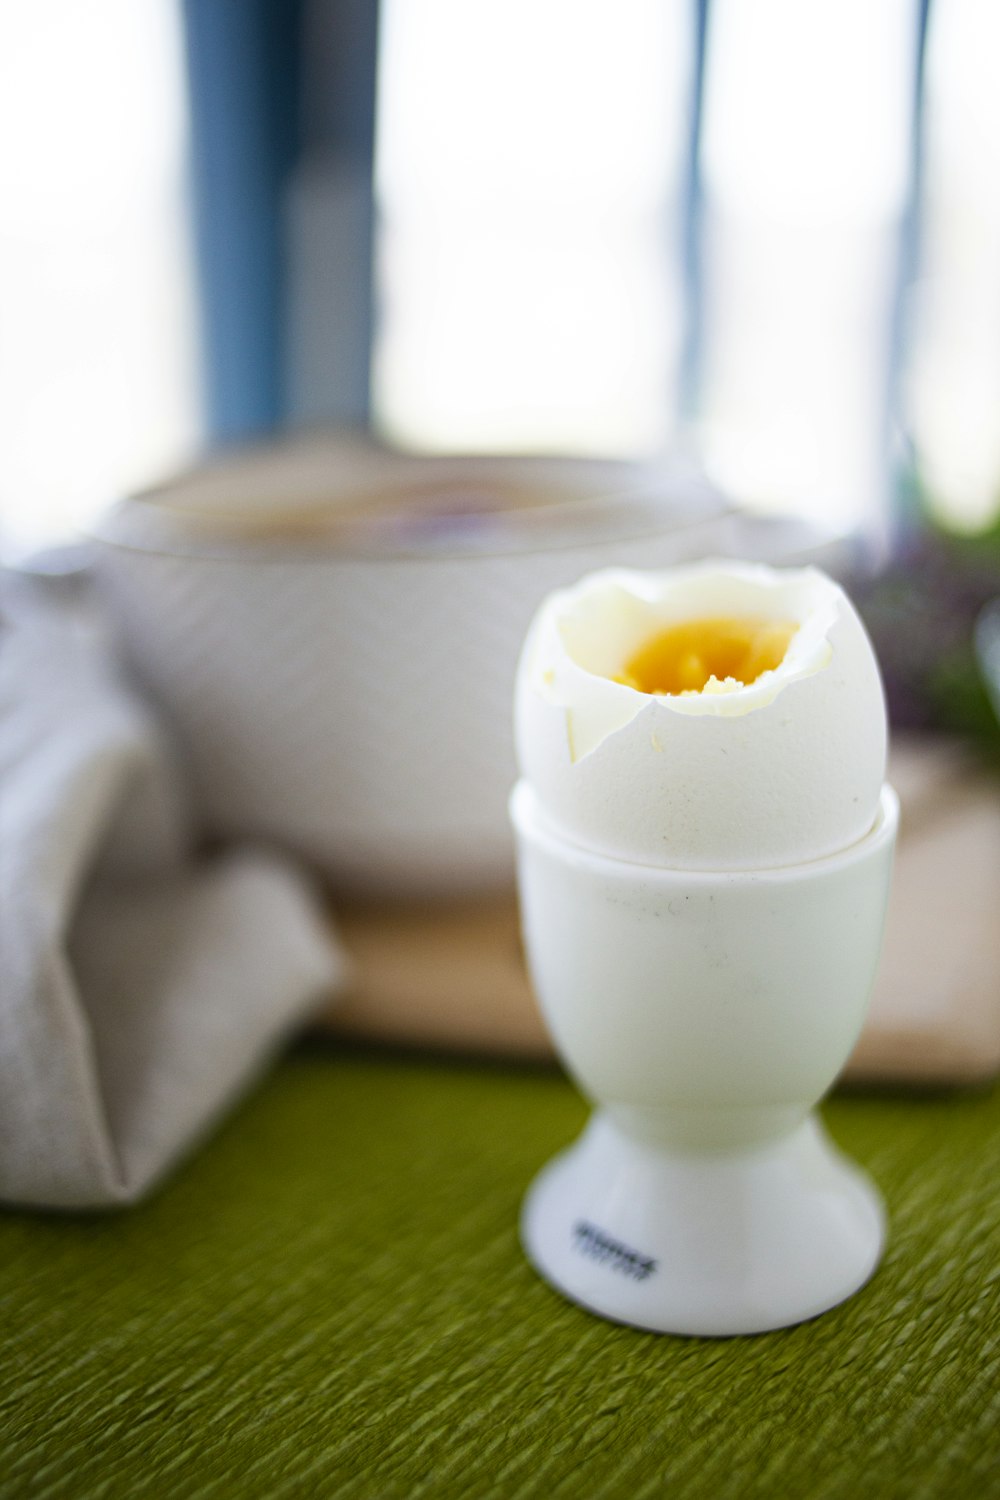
(454, 977)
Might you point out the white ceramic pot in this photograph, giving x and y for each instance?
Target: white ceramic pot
(705, 1015)
(333, 632)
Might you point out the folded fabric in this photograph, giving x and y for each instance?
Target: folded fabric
(140, 987)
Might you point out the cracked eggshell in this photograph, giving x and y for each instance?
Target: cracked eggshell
(784, 770)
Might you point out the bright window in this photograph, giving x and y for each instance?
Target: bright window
(954, 385)
(97, 349)
(530, 176)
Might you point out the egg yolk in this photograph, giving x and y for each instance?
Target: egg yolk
(700, 655)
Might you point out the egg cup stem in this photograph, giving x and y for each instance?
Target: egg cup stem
(715, 1243)
(705, 1014)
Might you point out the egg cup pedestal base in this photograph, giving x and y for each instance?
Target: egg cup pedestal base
(702, 1242)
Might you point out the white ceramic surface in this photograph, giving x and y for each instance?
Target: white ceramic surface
(344, 687)
(705, 1014)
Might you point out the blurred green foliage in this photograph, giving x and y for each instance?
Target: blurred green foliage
(921, 610)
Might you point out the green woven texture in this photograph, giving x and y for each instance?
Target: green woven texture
(329, 1299)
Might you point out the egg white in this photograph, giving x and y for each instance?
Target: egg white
(785, 769)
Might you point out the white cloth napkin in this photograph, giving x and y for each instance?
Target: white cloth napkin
(140, 988)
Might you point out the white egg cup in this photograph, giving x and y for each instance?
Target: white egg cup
(705, 1014)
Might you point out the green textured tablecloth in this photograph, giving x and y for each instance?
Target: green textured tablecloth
(330, 1300)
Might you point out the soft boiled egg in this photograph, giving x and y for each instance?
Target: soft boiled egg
(717, 716)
